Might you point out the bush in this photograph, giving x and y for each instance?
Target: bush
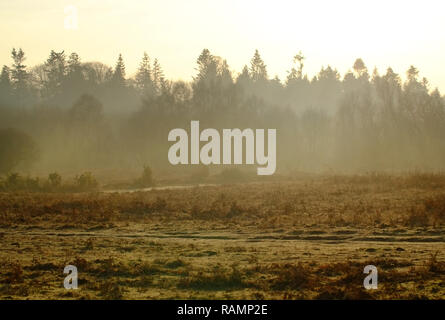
(86, 182)
(146, 179)
(216, 280)
(435, 207)
(417, 218)
(290, 276)
(33, 184)
(430, 212)
(15, 182)
(54, 180)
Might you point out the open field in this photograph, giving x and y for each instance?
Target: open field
(305, 238)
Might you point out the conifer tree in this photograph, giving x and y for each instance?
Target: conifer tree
(119, 72)
(18, 72)
(258, 70)
(143, 76)
(158, 77)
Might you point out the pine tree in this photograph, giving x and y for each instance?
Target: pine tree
(19, 75)
(412, 74)
(392, 78)
(74, 65)
(360, 68)
(207, 68)
(158, 77)
(224, 73)
(258, 68)
(55, 69)
(296, 73)
(143, 76)
(119, 72)
(243, 78)
(74, 83)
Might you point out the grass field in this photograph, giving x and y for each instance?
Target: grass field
(301, 238)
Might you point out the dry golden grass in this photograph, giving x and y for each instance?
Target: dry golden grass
(307, 238)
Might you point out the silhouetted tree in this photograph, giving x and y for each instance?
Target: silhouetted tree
(244, 77)
(97, 73)
(74, 64)
(296, 72)
(88, 114)
(119, 72)
(158, 77)
(258, 70)
(360, 68)
(143, 77)
(55, 68)
(19, 77)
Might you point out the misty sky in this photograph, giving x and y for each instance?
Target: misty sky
(383, 33)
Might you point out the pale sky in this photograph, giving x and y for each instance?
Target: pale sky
(383, 33)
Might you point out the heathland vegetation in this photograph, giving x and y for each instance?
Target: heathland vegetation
(307, 237)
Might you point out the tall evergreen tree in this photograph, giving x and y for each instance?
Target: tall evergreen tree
(21, 89)
(143, 76)
(19, 75)
(119, 72)
(258, 70)
(244, 75)
(55, 69)
(207, 67)
(412, 74)
(74, 84)
(158, 77)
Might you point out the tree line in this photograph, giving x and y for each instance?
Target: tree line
(87, 115)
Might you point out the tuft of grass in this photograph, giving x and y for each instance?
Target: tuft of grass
(15, 274)
(175, 264)
(111, 290)
(290, 276)
(216, 280)
(435, 266)
(430, 211)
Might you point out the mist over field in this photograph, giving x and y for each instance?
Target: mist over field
(73, 115)
(112, 188)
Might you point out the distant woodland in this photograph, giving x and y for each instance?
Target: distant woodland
(69, 115)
